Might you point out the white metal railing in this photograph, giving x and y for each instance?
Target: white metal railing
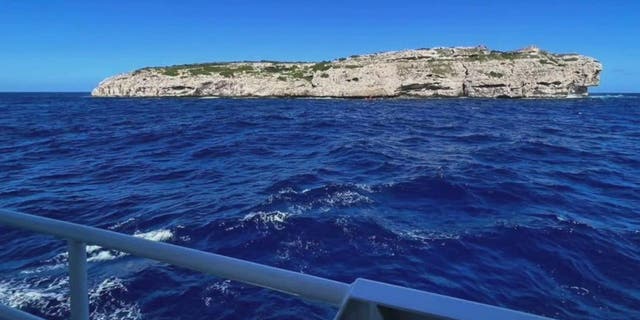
(363, 299)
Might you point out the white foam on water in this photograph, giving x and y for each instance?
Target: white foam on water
(56, 262)
(275, 218)
(223, 287)
(130, 312)
(91, 249)
(39, 295)
(214, 291)
(42, 269)
(364, 187)
(98, 253)
(156, 235)
(344, 198)
(115, 309)
(106, 255)
(51, 298)
(298, 209)
(581, 291)
(278, 218)
(282, 194)
(106, 286)
(122, 223)
(267, 217)
(287, 190)
(303, 245)
(426, 235)
(325, 202)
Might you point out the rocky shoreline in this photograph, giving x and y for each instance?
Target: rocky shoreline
(422, 73)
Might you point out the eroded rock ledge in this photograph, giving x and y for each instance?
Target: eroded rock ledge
(437, 72)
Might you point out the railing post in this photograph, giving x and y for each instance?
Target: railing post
(78, 280)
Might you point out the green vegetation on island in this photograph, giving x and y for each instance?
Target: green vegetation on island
(282, 70)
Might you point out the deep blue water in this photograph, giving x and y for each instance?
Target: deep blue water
(527, 204)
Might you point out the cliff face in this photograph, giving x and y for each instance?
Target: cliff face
(439, 72)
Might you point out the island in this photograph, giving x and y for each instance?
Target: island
(421, 73)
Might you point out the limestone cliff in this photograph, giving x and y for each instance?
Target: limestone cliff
(437, 72)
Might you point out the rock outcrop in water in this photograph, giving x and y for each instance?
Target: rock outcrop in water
(438, 72)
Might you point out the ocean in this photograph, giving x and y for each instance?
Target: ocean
(528, 204)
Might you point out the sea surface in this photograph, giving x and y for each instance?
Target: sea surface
(528, 204)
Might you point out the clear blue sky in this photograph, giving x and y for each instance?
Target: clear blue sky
(71, 45)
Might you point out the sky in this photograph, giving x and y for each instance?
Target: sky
(72, 45)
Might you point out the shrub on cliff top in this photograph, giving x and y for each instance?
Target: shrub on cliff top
(497, 55)
(321, 66)
(278, 68)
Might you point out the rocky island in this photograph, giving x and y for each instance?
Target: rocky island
(436, 72)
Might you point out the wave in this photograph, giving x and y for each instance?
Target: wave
(22, 294)
(321, 199)
(155, 235)
(277, 219)
(49, 298)
(427, 187)
(213, 292)
(106, 296)
(98, 253)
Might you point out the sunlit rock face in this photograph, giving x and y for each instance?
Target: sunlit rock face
(438, 72)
